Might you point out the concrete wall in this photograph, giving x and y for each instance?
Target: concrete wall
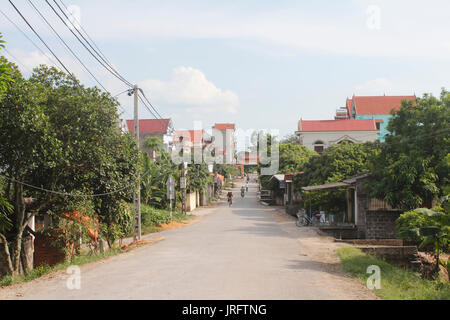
(191, 201)
(329, 138)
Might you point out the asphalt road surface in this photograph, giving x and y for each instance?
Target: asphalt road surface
(248, 251)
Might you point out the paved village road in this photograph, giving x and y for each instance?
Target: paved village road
(248, 251)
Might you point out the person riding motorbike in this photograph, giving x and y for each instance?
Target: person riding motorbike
(230, 198)
(242, 191)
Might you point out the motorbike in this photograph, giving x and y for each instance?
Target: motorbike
(242, 193)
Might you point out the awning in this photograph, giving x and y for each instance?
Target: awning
(326, 186)
(279, 177)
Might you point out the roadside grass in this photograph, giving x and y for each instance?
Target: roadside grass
(85, 257)
(396, 283)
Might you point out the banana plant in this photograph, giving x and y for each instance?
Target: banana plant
(431, 235)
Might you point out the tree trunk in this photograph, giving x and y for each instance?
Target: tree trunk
(19, 208)
(7, 254)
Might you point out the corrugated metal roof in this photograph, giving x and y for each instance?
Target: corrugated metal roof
(326, 186)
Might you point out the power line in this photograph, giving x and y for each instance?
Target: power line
(66, 45)
(34, 31)
(145, 97)
(31, 40)
(102, 56)
(64, 22)
(85, 32)
(67, 194)
(144, 103)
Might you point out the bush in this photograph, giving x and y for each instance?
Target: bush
(416, 220)
(153, 216)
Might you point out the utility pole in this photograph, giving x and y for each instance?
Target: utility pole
(137, 195)
(182, 176)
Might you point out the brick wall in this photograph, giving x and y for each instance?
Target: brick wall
(381, 224)
(45, 253)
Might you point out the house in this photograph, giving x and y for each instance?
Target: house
(365, 217)
(283, 190)
(317, 135)
(161, 128)
(224, 140)
(377, 108)
(193, 140)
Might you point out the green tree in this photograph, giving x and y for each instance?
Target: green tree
(5, 71)
(293, 157)
(61, 136)
(333, 165)
(413, 168)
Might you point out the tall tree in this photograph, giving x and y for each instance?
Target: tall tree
(58, 135)
(412, 169)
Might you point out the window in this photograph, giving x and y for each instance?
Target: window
(378, 124)
(318, 149)
(318, 146)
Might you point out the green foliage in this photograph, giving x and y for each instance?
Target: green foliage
(198, 177)
(396, 283)
(5, 211)
(289, 139)
(425, 226)
(334, 165)
(413, 168)
(5, 71)
(154, 174)
(59, 135)
(293, 157)
(227, 170)
(120, 225)
(153, 216)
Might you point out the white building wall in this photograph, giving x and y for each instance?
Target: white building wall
(308, 139)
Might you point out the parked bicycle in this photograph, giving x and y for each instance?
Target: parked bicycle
(303, 219)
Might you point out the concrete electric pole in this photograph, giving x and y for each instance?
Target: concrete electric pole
(137, 195)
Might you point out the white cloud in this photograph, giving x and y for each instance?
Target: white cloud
(190, 87)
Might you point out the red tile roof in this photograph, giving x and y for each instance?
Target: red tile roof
(150, 125)
(225, 126)
(337, 125)
(379, 104)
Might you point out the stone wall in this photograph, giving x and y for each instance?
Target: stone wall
(381, 224)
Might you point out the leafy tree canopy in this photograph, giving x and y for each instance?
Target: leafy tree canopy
(413, 167)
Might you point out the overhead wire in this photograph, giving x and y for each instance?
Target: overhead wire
(40, 38)
(100, 54)
(66, 45)
(29, 39)
(84, 45)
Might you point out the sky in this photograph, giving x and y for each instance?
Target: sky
(259, 64)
